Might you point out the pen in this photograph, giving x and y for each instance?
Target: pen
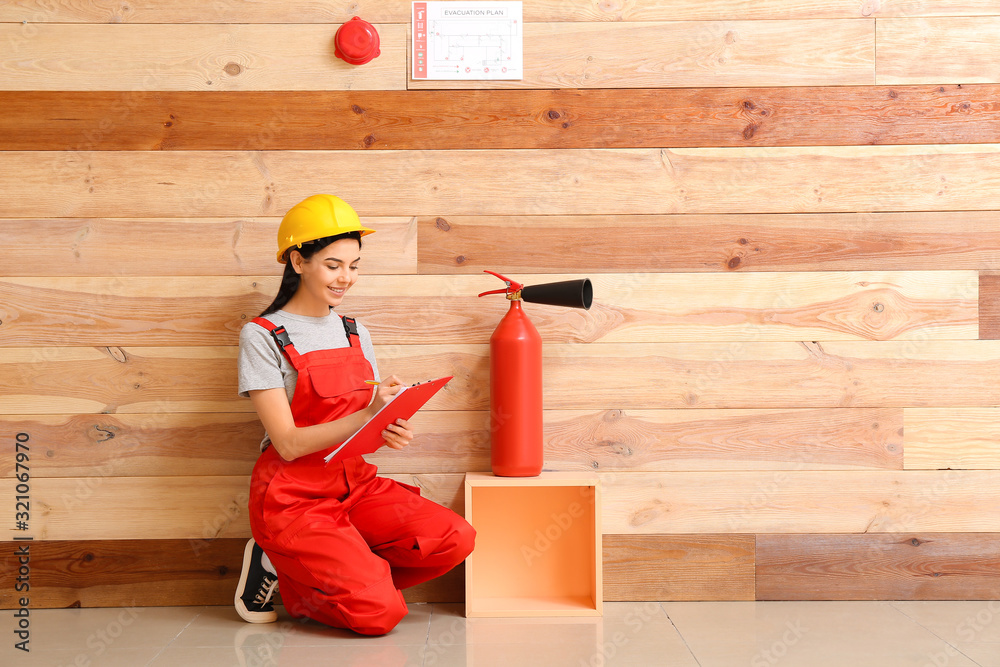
(371, 382)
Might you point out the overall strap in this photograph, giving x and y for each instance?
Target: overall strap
(280, 336)
(351, 329)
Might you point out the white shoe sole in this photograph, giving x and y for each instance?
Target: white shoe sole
(241, 609)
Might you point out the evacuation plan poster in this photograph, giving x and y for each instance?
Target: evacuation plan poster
(467, 40)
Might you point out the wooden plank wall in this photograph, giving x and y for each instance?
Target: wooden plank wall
(787, 383)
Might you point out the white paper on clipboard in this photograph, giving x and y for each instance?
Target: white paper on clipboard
(403, 405)
(456, 40)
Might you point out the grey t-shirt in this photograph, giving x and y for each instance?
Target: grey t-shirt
(262, 365)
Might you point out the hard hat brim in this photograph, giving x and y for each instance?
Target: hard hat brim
(283, 252)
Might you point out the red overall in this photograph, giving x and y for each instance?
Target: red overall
(342, 540)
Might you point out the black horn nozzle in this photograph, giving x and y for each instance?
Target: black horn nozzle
(568, 293)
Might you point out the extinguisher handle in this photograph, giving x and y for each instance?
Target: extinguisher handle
(502, 290)
(512, 286)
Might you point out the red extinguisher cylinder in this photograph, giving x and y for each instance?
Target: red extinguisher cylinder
(516, 396)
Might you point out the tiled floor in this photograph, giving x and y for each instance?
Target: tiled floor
(681, 634)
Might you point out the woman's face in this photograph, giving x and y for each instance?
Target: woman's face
(330, 272)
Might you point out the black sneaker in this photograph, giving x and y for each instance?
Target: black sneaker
(253, 594)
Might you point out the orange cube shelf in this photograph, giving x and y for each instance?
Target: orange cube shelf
(538, 545)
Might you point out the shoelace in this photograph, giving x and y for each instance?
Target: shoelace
(265, 591)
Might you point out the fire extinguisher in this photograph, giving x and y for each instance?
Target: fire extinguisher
(516, 445)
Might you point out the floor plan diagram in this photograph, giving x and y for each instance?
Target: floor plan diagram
(467, 40)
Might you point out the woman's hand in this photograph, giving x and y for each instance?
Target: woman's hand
(397, 435)
(385, 390)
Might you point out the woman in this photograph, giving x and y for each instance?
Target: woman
(338, 541)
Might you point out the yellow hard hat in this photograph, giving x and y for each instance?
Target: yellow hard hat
(316, 217)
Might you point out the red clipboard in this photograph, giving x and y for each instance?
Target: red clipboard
(403, 405)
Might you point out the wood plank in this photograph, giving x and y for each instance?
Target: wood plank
(916, 566)
(455, 119)
(437, 309)
(102, 573)
(989, 306)
(727, 242)
(50, 380)
(192, 57)
(690, 53)
(132, 445)
(959, 240)
(702, 440)
(154, 573)
(129, 572)
(131, 311)
(773, 375)
(298, 56)
(62, 380)
(183, 247)
(84, 508)
(903, 566)
(802, 501)
(398, 11)
(952, 438)
(192, 11)
(937, 50)
(667, 440)
(739, 374)
(138, 445)
(678, 567)
(196, 508)
(226, 444)
(560, 182)
(721, 307)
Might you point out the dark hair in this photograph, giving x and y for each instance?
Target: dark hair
(290, 279)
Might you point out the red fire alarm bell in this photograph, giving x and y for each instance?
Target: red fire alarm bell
(356, 42)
